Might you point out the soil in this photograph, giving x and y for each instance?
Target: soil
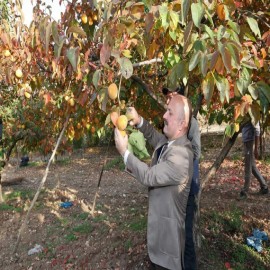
(113, 236)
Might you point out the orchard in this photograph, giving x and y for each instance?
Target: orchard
(76, 77)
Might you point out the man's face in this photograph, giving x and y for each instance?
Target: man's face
(173, 122)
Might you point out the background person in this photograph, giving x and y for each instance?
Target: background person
(168, 179)
(249, 132)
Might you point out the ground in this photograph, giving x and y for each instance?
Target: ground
(105, 228)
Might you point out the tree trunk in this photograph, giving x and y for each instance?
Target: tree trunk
(204, 180)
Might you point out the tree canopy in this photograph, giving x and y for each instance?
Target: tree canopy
(54, 69)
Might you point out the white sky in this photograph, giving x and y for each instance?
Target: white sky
(28, 9)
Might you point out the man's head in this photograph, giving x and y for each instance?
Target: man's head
(177, 117)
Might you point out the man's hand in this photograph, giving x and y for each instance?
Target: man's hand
(121, 142)
(133, 116)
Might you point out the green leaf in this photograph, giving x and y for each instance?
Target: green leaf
(235, 53)
(209, 17)
(223, 87)
(102, 99)
(264, 102)
(209, 31)
(221, 31)
(204, 64)
(254, 26)
(229, 130)
(96, 78)
(185, 6)
(254, 112)
(73, 57)
(264, 88)
(174, 20)
(208, 87)
(173, 35)
(254, 92)
(77, 30)
(178, 72)
(126, 67)
(234, 26)
(55, 32)
(58, 47)
(48, 35)
(187, 36)
(244, 81)
(197, 12)
(138, 144)
(194, 60)
(163, 11)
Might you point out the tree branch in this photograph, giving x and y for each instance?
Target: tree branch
(149, 91)
(148, 62)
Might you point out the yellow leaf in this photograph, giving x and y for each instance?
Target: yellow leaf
(247, 98)
(127, 53)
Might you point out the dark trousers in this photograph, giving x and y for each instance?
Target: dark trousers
(154, 266)
(190, 254)
(250, 167)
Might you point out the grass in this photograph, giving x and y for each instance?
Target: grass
(19, 194)
(117, 163)
(138, 225)
(85, 228)
(7, 207)
(226, 242)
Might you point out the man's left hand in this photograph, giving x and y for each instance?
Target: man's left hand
(121, 142)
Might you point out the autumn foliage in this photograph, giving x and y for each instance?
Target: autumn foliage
(100, 58)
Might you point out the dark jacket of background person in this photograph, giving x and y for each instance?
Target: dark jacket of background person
(194, 136)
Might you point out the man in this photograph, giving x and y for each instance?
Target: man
(249, 132)
(168, 179)
(195, 138)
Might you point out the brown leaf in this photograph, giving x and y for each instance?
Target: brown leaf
(105, 54)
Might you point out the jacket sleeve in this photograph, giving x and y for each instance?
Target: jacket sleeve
(152, 136)
(173, 169)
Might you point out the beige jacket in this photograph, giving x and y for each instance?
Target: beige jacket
(169, 184)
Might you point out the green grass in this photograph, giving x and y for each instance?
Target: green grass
(138, 225)
(225, 241)
(81, 216)
(71, 237)
(84, 228)
(237, 156)
(19, 194)
(117, 163)
(7, 207)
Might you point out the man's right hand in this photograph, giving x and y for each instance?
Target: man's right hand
(133, 116)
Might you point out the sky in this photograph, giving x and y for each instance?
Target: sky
(28, 10)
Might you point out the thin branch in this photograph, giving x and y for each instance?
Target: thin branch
(41, 184)
(148, 62)
(255, 15)
(148, 90)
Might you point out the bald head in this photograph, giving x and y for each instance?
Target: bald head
(177, 117)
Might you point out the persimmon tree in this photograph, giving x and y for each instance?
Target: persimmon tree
(60, 72)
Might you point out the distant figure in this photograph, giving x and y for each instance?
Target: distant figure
(24, 161)
(249, 132)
